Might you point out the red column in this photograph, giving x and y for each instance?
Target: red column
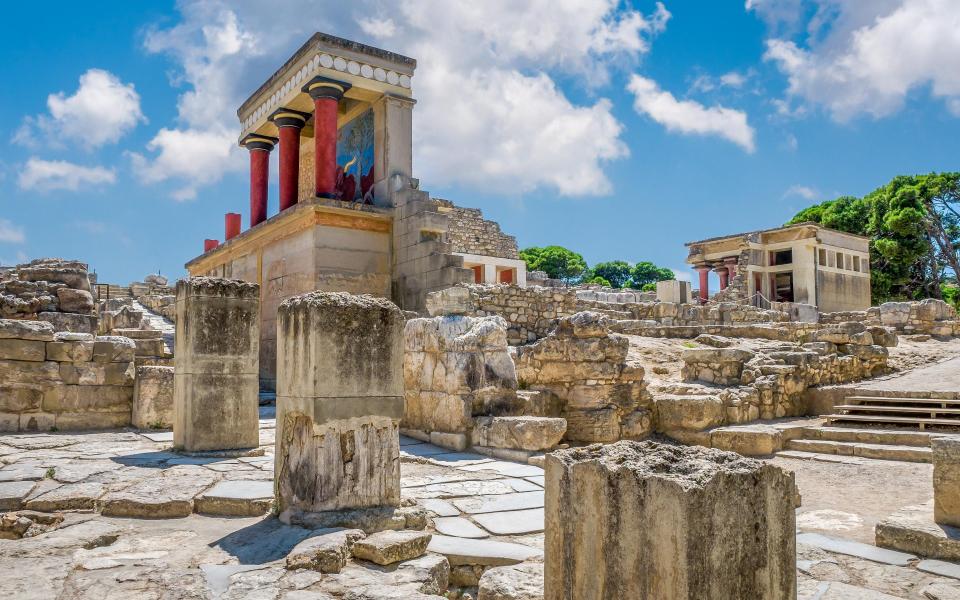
(209, 245)
(723, 273)
(326, 94)
(704, 272)
(289, 122)
(231, 225)
(731, 264)
(259, 147)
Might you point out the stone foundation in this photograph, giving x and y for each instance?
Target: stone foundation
(339, 404)
(646, 520)
(216, 382)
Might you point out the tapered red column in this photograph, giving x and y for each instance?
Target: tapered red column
(290, 123)
(259, 147)
(704, 271)
(209, 244)
(722, 273)
(231, 225)
(731, 264)
(326, 94)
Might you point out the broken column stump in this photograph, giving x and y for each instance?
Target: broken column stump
(946, 480)
(216, 366)
(339, 403)
(657, 521)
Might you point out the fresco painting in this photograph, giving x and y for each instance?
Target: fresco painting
(355, 160)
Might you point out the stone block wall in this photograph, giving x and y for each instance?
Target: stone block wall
(930, 316)
(532, 312)
(62, 380)
(455, 367)
(584, 367)
(470, 233)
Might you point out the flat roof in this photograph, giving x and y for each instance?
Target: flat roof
(330, 40)
(784, 228)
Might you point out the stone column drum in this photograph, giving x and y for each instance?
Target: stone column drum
(664, 522)
(216, 365)
(339, 403)
(946, 480)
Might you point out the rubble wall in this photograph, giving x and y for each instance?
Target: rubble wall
(50, 289)
(63, 381)
(930, 316)
(470, 233)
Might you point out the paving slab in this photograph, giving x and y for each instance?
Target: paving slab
(441, 508)
(168, 495)
(23, 471)
(388, 547)
(504, 502)
(835, 590)
(458, 527)
(12, 494)
(461, 489)
(423, 450)
(409, 441)
(940, 567)
(508, 469)
(828, 458)
(159, 436)
(236, 498)
(459, 459)
(539, 480)
(488, 553)
(72, 496)
(514, 522)
(865, 551)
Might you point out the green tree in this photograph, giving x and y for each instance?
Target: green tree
(597, 280)
(556, 261)
(645, 273)
(616, 272)
(913, 227)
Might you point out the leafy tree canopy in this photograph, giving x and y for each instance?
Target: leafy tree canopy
(616, 272)
(556, 261)
(646, 273)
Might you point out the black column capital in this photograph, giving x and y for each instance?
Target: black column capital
(287, 117)
(324, 87)
(255, 141)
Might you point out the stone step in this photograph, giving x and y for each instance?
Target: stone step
(945, 402)
(877, 418)
(930, 410)
(878, 451)
(867, 436)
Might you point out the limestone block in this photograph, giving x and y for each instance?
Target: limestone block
(149, 347)
(946, 480)
(76, 323)
(216, 366)
(108, 349)
(513, 582)
(453, 441)
(40, 331)
(647, 520)
(75, 301)
(692, 412)
(519, 433)
(71, 347)
(749, 440)
(29, 372)
(339, 403)
(327, 552)
(601, 425)
(450, 301)
(14, 349)
(883, 336)
(91, 373)
(388, 547)
(21, 397)
(153, 398)
(70, 273)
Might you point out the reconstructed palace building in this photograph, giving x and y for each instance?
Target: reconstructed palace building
(803, 263)
(352, 217)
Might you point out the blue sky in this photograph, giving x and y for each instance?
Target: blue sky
(620, 130)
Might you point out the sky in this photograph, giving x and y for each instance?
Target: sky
(620, 130)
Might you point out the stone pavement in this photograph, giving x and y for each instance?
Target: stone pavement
(145, 522)
(942, 376)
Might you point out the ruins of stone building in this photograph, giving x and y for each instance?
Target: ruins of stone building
(352, 217)
(490, 253)
(803, 263)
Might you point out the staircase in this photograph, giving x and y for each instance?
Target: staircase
(907, 409)
(155, 322)
(883, 444)
(109, 290)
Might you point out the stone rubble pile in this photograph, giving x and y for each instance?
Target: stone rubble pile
(583, 368)
(52, 290)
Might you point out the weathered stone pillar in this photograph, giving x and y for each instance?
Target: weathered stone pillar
(704, 272)
(339, 403)
(216, 365)
(946, 480)
(289, 122)
(259, 147)
(648, 520)
(326, 94)
(231, 225)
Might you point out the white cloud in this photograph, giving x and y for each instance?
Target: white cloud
(865, 58)
(378, 28)
(682, 274)
(733, 79)
(468, 130)
(10, 233)
(101, 111)
(48, 175)
(802, 191)
(688, 116)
